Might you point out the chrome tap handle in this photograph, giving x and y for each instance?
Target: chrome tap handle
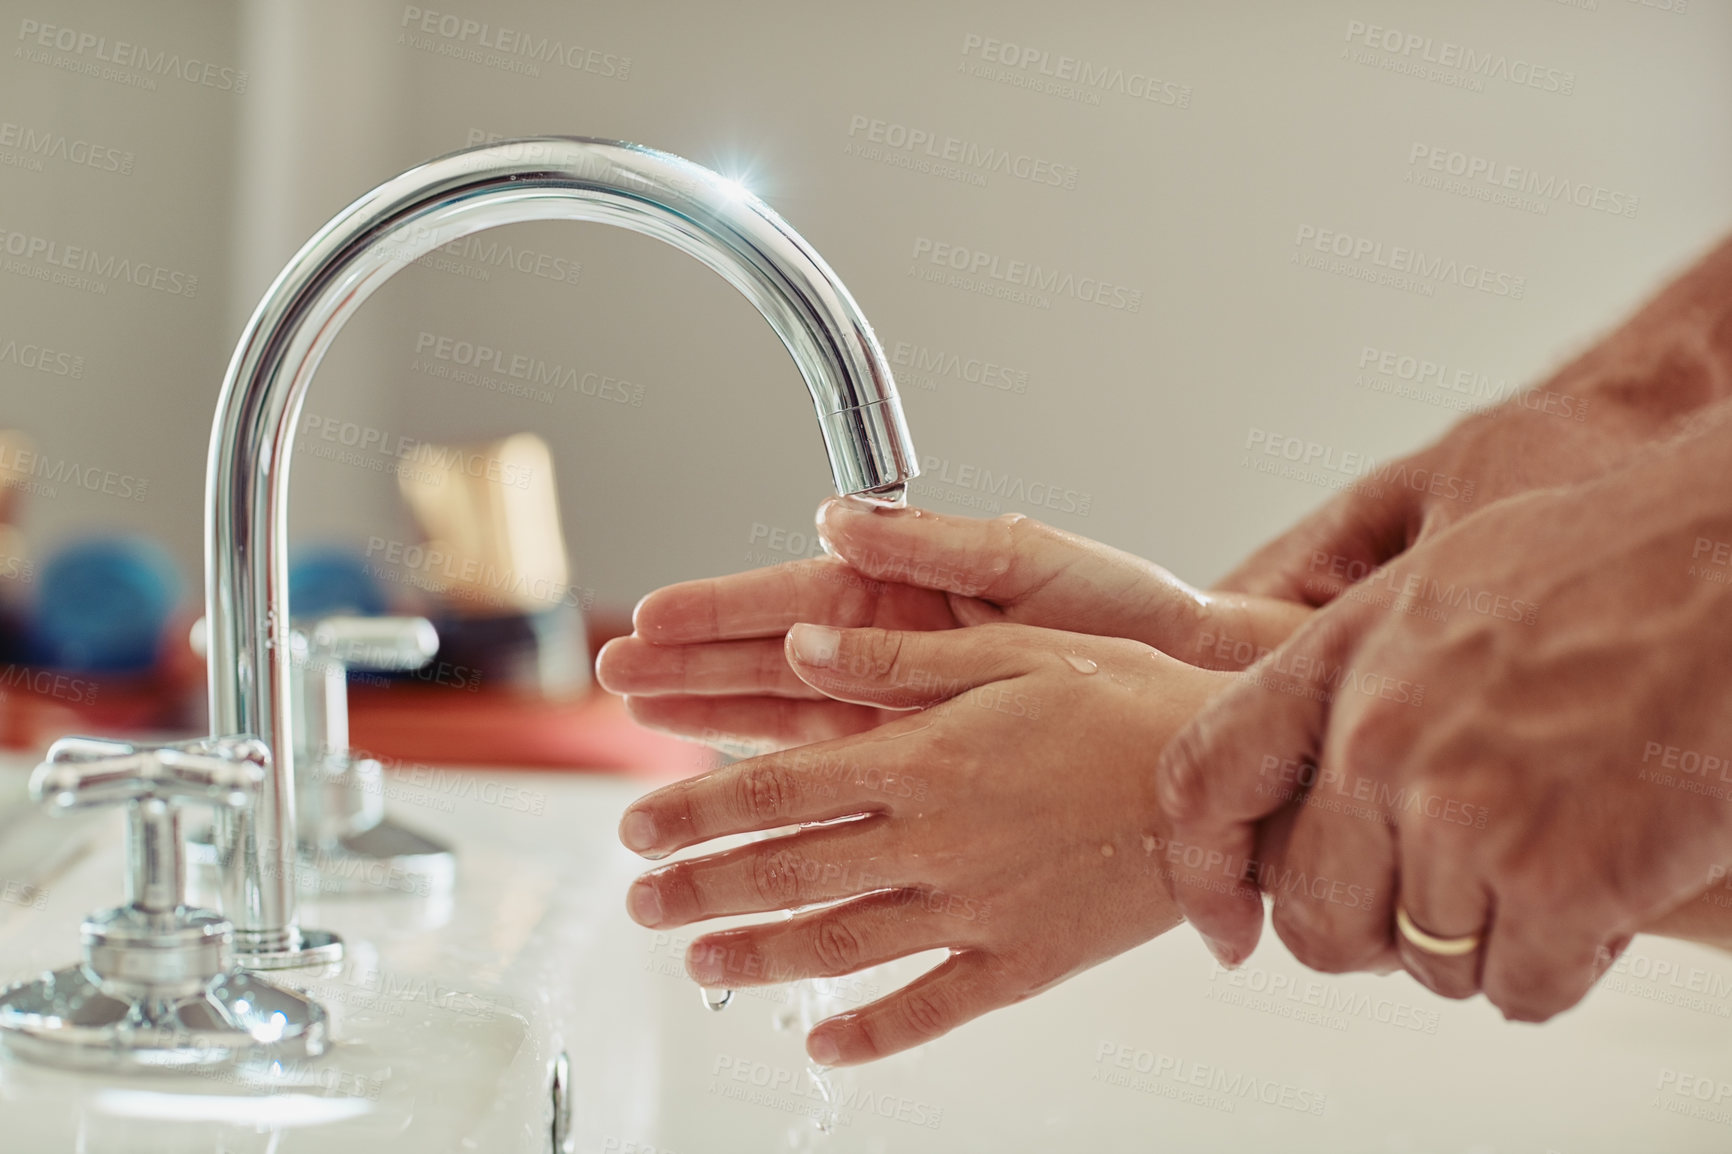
(376, 642)
(157, 988)
(153, 782)
(322, 658)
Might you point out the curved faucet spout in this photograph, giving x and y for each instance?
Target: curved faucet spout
(549, 178)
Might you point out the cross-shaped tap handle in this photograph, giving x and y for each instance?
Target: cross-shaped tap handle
(153, 782)
(322, 657)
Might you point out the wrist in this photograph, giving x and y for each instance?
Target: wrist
(1671, 359)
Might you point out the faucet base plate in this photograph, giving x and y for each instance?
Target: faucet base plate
(386, 857)
(306, 948)
(71, 1018)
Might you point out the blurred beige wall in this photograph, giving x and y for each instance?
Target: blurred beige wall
(1222, 146)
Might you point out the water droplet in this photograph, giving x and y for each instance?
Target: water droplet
(717, 999)
(820, 1075)
(1080, 664)
(1106, 851)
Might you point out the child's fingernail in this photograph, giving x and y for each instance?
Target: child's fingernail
(644, 904)
(638, 832)
(822, 1050)
(1225, 954)
(814, 645)
(704, 964)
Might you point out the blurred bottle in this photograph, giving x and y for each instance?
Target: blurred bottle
(508, 615)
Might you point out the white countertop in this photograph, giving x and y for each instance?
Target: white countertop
(448, 1014)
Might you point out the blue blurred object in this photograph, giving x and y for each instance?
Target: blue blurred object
(333, 580)
(104, 606)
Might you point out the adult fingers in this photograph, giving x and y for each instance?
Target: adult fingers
(1213, 781)
(1443, 896)
(1331, 548)
(1542, 958)
(1332, 899)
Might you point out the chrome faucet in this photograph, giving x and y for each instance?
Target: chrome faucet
(246, 523)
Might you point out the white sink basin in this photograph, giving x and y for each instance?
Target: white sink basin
(448, 1018)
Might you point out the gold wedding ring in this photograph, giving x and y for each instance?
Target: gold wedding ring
(1431, 943)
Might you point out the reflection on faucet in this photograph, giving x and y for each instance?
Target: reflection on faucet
(552, 178)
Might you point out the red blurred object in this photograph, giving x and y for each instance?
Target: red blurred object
(438, 726)
(38, 706)
(501, 728)
(399, 722)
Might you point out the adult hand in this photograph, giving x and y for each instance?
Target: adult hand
(1511, 731)
(706, 658)
(1011, 822)
(1668, 361)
